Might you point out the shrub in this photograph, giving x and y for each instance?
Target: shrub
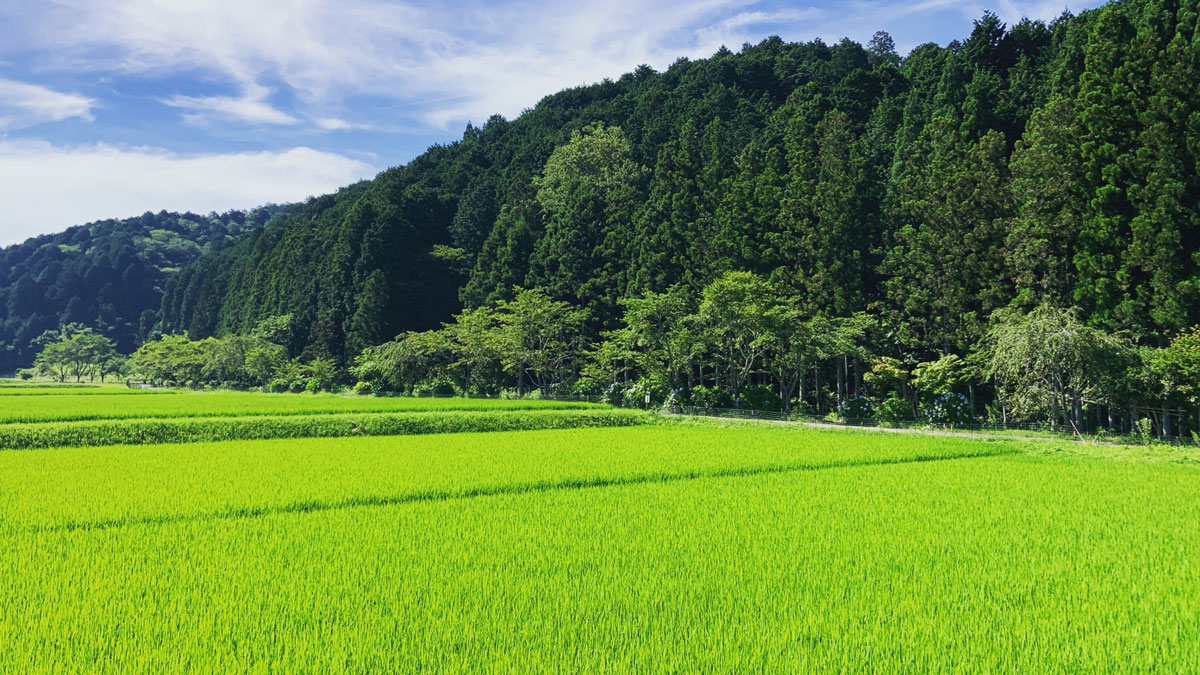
(801, 408)
(855, 408)
(1144, 428)
(760, 397)
(614, 394)
(441, 387)
(637, 392)
(949, 409)
(363, 388)
(711, 397)
(894, 409)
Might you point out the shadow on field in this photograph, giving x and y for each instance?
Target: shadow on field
(496, 490)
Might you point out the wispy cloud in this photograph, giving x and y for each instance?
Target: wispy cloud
(474, 58)
(25, 105)
(336, 124)
(251, 108)
(471, 59)
(45, 187)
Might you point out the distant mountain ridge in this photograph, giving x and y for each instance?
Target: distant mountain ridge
(108, 274)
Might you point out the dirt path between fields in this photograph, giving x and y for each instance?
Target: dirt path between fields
(981, 435)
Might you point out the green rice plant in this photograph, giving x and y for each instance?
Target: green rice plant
(985, 564)
(80, 407)
(102, 486)
(201, 429)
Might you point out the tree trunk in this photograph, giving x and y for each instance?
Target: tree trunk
(800, 376)
(817, 387)
(841, 381)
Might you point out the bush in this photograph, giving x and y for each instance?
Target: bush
(614, 394)
(801, 408)
(949, 409)
(277, 386)
(1144, 429)
(711, 397)
(760, 397)
(363, 388)
(440, 388)
(637, 392)
(855, 408)
(894, 409)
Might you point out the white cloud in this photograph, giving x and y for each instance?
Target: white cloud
(1013, 10)
(46, 188)
(251, 107)
(336, 124)
(471, 60)
(463, 60)
(25, 105)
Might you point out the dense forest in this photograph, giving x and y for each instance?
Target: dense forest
(1010, 222)
(108, 274)
(1033, 163)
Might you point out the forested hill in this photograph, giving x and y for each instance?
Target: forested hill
(109, 275)
(1025, 164)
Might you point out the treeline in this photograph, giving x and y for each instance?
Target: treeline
(744, 342)
(107, 274)
(261, 359)
(1025, 165)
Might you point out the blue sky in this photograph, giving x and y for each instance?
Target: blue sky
(109, 108)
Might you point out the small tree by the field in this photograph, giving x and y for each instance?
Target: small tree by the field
(403, 363)
(660, 336)
(1047, 362)
(469, 338)
(732, 316)
(539, 339)
(77, 351)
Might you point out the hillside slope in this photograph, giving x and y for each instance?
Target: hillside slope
(1033, 163)
(107, 274)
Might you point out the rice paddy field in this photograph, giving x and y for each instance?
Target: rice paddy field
(661, 546)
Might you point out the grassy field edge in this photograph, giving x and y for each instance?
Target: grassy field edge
(183, 430)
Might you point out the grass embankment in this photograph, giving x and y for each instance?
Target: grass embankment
(81, 390)
(88, 406)
(705, 549)
(208, 429)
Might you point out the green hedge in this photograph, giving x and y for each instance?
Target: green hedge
(193, 430)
